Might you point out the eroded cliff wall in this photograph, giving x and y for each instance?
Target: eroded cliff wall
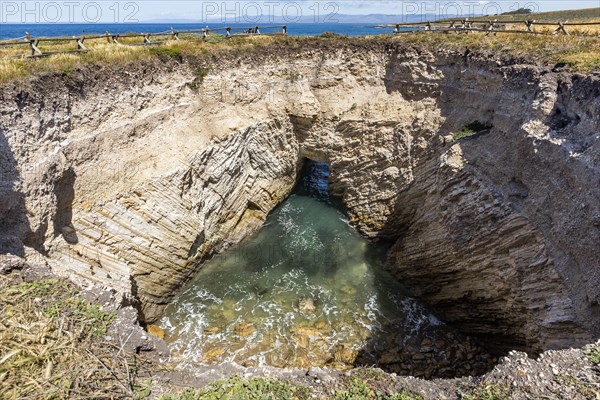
(133, 182)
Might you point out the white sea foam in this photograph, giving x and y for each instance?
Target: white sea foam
(320, 259)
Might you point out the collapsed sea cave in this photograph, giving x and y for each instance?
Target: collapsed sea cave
(464, 185)
(307, 291)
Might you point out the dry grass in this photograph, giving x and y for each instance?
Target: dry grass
(52, 347)
(584, 30)
(581, 15)
(577, 52)
(104, 54)
(99, 53)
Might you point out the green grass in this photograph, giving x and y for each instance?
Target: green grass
(470, 130)
(579, 389)
(215, 39)
(167, 51)
(238, 387)
(358, 390)
(592, 352)
(464, 133)
(97, 321)
(201, 73)
(489, 392)
(241, 388)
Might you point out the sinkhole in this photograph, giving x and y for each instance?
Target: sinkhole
(308, 291)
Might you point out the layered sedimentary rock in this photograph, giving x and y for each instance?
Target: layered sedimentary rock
(132, 183)
(150, 239)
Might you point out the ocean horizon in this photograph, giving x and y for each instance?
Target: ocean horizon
(15, 31)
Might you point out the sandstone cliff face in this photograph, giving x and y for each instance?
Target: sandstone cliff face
(133, 183)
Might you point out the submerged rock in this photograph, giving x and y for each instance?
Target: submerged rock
(307, 304)
(156, 331)
(307, 331)
(245, 328)
(212, 354)
(212, 330)
(320, 324)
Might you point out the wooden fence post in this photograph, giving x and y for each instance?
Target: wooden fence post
(491, 27)
(561, 28)
(146, 38)
(80, 45)
(34, 47)
(529, 25)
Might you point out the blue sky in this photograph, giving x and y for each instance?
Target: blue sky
(32, 11)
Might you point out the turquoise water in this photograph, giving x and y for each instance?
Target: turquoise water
(305, 291)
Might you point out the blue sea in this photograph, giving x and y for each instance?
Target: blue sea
(13, 31)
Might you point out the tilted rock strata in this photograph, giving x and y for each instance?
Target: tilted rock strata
(151, 239)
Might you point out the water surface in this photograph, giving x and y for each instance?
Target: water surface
(12, 31)
(305, 291)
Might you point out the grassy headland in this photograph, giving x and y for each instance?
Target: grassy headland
(577, 53)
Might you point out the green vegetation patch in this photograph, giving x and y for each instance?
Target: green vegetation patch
(489, 392)
(215, 39)
(358, 390)
(579, 389)
(241, 388)
(201, 73)
(361, 390)
(592, 352)
(331, 35)
(167, 51)
(470, 130)
(261, 388)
